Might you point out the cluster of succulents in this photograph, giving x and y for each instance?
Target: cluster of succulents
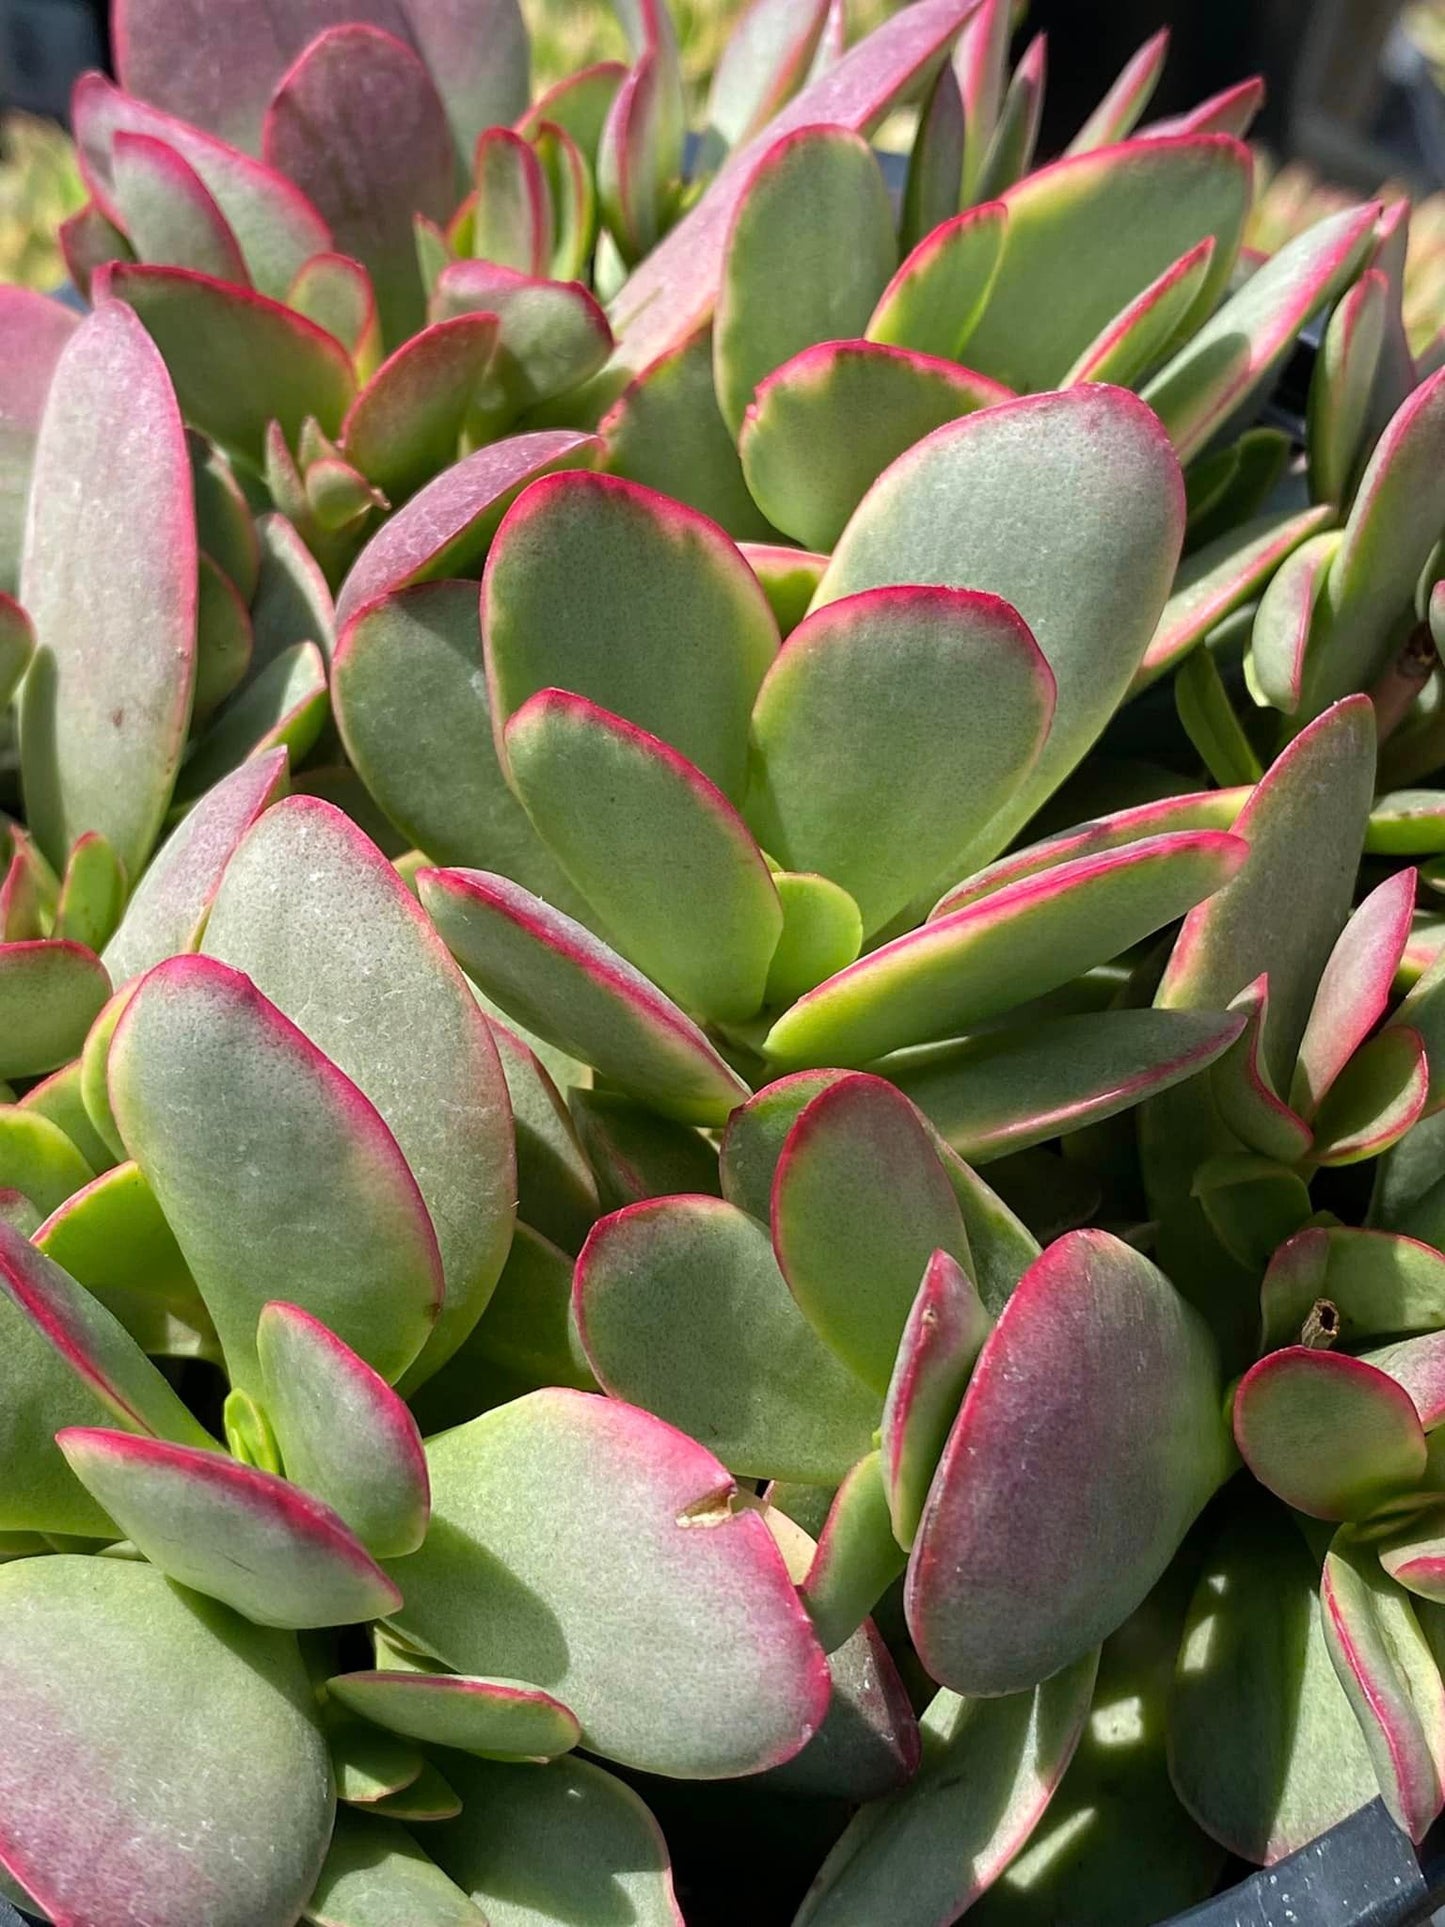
(725, 1047)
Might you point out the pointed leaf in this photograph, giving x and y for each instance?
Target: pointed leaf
(1285, 620)
(1014, 141)
(512, 206)
(1354, 989)
(1344, 374)
(1086, 554)
(765, 61)
(1376, 1098)
(1129, 345)
(660, 853)
(1231, 111)
(1004, 1589)
(980, 61)
(496, 1718)
(858, 1557)
(557, 1521)
(935, 162)
(1328, 1434)
(285, 706)
(640, 151)
(682, 1310)
(935, 299)
(405, 425)
(946, 1328)
(643, 558)
(170, 215)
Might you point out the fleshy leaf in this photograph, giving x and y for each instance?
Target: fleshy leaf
(38, 1160)
(512, 206)
(578, 104)
(1006, 1090)
(499, 1719)
(109, 580)
(935, 162)
(825, 424)
(357, 124)
(375, 1874)
(336, 293)
(323, 1208)
(682, 1310)
(447, 527)
(284, 706)
(1016, 943)
(1375, 1099)
(1244, 1093)
(638, 1154)
(1003, 1590)
(1390, 1677)
(822, 934)
(556, 1190)
(858, 1558)
(429, 1797)
(344, 1434)
(108, 1669)
(1130, 211)
(1086, 554)
(50, 993)
(1328, 1434)
(936, 297)
(643, 558)
(1344, 373)
(860, 1202)
(640, 150)
(989, 1769)
(1129, 345)
(405, 425)
(1285, 618)
(1354, 988)
(659, 853)
(562, 1522)
(552, 335)
(33, 333)
(325, 928)
(1373, 1283)
(223, 640)
(946, 1328)
(766, 59)
(237, 359)
(239, 1535)
(810, 250)
(170, 215)
(1209, 380)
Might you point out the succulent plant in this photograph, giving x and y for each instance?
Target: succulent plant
(725, 1092)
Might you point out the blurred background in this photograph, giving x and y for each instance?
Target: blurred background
(1356, 90)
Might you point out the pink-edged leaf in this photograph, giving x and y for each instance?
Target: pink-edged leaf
(1327, 1433)
(66, 1360)
(789, 579)
(559, 980)
(336, 293)
(980, 61)
(947, 682)
(33, 332)
(1009, 1089)
(653, 846)
(512, 205)
(1221, 577)
(990, 1768)
(1414, 1556)
(823, 426)
(498, 1719)
(17, 645)
(765, 61)
(1372, 1282)
(358, 125)
(682, 1310)
(88, 240)
(563, 1522)
(1354, 989)
(171, 218)
(968, 965)
(1140, 333)
(946, 1327)
(939, 292)
(644, 557)
(1207, 382)
(1015, 138)
(1057, 1505)
(109, 580)
(552, 335)
(860, 1201)
(639, 154)
(166, 911)
(228, 1530)
(1243, 1092)
(1121, 108)
(283, 706)
(673, 292)
(50, 993)
(108, 1669)
(1375, 1099)
(1344, 374)
(344, 1434)
(1391, 1677)
(1285, 618)
(857, 1558)
(935, 162)
(1419, 1365)
(324, 1209)
(238, 360)
(277, 228)
(578, 104)
(405, 425)
(1231, 111)
(446, 529)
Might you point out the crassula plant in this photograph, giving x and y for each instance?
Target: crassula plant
(724, 1147)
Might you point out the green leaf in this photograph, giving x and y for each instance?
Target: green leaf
(322, 1208)
(322, 924)
(928, 1852)
(935, 161)
(512, 203)
(556, 1189)
(1209, 721)
(292, 602)
(822, 933)
(429, 1797)
(1344, 374)
(376, 1875)
(564, 1522)
(1328, 1434)
(637, 1154)
(559, 980)
(946, 1328)
(223, 639)
(50, 994)
(336, 293)
(572, 189)
(643, 558)
(344, 1434)
(825, 424)
(765, 61)
(109, 580)
(286, 705)
(1373, 1282)
(682, 1310)
(660, 853)
(1375, 1099)
(1243, 1093)
(1130, 211)
(858, 1557)
(225, 1704)
(170, 216)
(934, 301)
(969, 965)
(17, 646)
(1085, 553)
(1001, 1591)
(500, 1719)
(406, 424)
(810, 249)
(1127, 347)
(1284, 622)
(860, 1202)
